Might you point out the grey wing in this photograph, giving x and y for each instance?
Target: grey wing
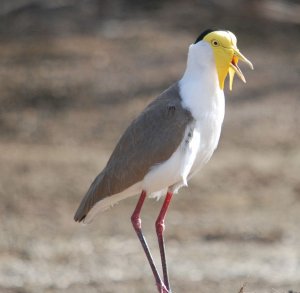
(150, 139)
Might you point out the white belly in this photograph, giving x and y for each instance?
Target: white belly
(197, 147)
(210, 130)
(177, 167)
(189, 157)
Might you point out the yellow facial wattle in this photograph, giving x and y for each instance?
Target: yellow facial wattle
(226, 56)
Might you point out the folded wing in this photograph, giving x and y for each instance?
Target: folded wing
(150, 139)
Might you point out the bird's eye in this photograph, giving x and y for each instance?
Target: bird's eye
(215, 43)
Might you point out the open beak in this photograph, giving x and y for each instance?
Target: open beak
(233, 66)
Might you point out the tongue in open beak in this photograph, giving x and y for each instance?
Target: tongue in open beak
(234, 69)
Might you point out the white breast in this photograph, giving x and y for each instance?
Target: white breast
(210, 130)
(202, 96)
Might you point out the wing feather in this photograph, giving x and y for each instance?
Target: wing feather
(149, 140)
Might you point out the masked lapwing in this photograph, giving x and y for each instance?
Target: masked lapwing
(171, 140)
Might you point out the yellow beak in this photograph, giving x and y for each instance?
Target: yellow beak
(227, 63)
(233, 67)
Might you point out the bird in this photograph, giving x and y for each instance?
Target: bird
(170, 141)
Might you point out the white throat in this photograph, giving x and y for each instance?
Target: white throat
(199, 86)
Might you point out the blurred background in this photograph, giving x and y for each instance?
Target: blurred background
(73, 74)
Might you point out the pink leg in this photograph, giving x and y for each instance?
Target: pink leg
(160, 227)
(137, 225)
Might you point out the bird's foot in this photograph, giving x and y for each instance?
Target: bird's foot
(162, 288)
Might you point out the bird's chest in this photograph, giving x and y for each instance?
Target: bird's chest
(209, 129)
(203, 136)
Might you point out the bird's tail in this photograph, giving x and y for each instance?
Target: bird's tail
(92, 196)
(98, 199)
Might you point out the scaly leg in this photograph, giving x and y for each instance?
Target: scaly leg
(160, 227)
(137, 225)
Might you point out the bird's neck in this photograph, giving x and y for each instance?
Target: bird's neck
(199, 85)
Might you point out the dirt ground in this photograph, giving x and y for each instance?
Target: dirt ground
(65, 100)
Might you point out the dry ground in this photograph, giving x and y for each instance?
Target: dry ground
(66, 100)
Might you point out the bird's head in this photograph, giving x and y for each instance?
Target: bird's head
(226, 54)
